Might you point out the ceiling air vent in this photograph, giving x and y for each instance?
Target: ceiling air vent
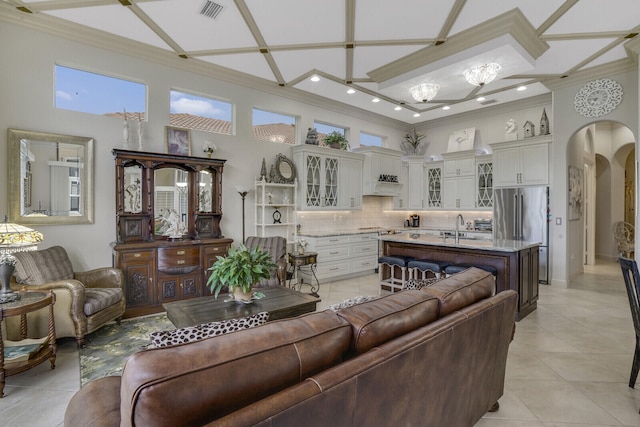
(489, 102)
(211, 9)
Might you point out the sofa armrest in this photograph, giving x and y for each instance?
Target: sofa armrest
(281, 273)
(107, 277)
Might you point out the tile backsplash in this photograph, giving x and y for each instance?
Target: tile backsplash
(378, 212)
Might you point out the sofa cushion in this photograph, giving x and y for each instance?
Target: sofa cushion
(383, 319)
(206, 330)
(352, 301)
(40, 267)
(462, 289)
(97, 299)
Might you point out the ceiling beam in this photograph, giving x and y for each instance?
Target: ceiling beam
(451, 19)
(555, 16)
(349, 36)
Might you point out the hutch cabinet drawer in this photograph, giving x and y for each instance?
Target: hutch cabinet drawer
(137, 256)
(176, 253)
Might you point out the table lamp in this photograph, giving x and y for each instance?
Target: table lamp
(14, 238)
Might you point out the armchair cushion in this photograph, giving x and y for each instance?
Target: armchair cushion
(44, 266)
(97, 299)
(276, 246)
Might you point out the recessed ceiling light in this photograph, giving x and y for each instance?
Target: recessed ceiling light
(480, 98)
(521, 88)
(375, 100)
(416, 115)
(398, 108)
(315, 78)
(446, 107)
(351, 91)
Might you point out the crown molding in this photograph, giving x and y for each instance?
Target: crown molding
(75, 32)
(511, 23)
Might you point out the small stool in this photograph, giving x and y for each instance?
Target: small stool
(424, 265)
(457, 268)
(393, 261)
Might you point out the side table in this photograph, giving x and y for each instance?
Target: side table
(307, 261)
(46, 348)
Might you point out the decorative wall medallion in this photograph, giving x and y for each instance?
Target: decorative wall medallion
(598, 97)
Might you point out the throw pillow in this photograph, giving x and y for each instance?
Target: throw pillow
(352, 301)
(206, 330)
(417, 284)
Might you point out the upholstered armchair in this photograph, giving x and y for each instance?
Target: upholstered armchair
(85, 301)
(277, 247)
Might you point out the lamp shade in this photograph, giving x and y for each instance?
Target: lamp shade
(479, 75)
(16, 238)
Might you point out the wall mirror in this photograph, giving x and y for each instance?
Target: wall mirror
(285, 170)
(50, 178)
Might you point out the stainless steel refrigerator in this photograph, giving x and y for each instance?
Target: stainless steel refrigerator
(523, 214)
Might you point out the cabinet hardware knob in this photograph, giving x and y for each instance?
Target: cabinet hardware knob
(180, 261)
(137, 255)
(181, 252)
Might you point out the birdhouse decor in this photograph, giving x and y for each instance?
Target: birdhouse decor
(529, 129)
(544, 123)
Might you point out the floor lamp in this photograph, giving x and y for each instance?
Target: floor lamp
(243, 191)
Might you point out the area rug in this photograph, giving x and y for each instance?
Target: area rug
(107, 349)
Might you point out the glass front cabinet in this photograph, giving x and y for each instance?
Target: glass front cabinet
(168, 213)
(484, 182)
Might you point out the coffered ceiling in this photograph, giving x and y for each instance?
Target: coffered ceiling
(379, 48)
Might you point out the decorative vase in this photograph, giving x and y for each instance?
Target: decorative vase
(300, 250)
(209, 155)
(240, 295)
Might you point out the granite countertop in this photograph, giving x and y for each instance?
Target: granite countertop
(397, 230)
(484, 245)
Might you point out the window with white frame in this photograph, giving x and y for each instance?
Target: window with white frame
(274, 127)
(326, 129)
(370, 140)
(200, 113)
(93, 93)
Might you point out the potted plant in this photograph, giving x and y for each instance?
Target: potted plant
(239, 271)
(336, 140)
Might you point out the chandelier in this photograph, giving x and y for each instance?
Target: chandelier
(479, 75)
(424, 92)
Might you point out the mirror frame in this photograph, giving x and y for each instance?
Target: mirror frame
(15, 183)
(278, 178)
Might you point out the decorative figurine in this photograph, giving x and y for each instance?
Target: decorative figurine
(312, 137)
(263, 171)
(544, 123)
(529, 129)
(510, 130)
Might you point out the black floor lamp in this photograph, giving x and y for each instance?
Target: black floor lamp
(243, 191)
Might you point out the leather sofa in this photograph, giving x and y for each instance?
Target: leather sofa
(429, 357)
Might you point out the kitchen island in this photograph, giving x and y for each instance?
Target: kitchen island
(516, 262)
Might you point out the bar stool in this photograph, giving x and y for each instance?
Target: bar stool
(393, 261)
(424, 265)
(457, 268)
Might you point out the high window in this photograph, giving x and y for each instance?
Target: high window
(197, 112)
(325, 129)
(93, 93)
(274, 127)
(370, 140)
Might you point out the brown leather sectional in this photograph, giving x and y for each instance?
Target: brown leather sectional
(433, 357)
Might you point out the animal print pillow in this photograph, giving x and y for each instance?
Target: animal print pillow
(417, 284)
(352, 301)
(206, 330)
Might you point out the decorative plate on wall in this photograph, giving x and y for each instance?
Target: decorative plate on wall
(598, 97)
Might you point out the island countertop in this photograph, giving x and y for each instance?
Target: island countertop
(449, 242)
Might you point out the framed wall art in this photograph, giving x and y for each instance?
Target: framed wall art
(576, 200)
(177, 140)
(461, 140)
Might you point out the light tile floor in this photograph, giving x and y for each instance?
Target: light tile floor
(568, 365)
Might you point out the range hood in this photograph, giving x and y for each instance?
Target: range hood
(381, 173)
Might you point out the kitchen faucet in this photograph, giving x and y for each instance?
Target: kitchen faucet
(458, 223)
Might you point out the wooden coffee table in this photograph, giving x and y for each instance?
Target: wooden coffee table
(279, 301)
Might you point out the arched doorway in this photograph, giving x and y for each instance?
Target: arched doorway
(605, 151)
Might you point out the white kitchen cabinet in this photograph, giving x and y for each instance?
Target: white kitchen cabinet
(343, 256)
(323, 183)
(416, 184)
(401, 201)
(433, 175)
(484, 182)
(460, 163)
(459, 193)
(522, 162)
(275, 210)
(350, 184)
(381, 173)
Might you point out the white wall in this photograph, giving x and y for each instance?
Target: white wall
(27, 88)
